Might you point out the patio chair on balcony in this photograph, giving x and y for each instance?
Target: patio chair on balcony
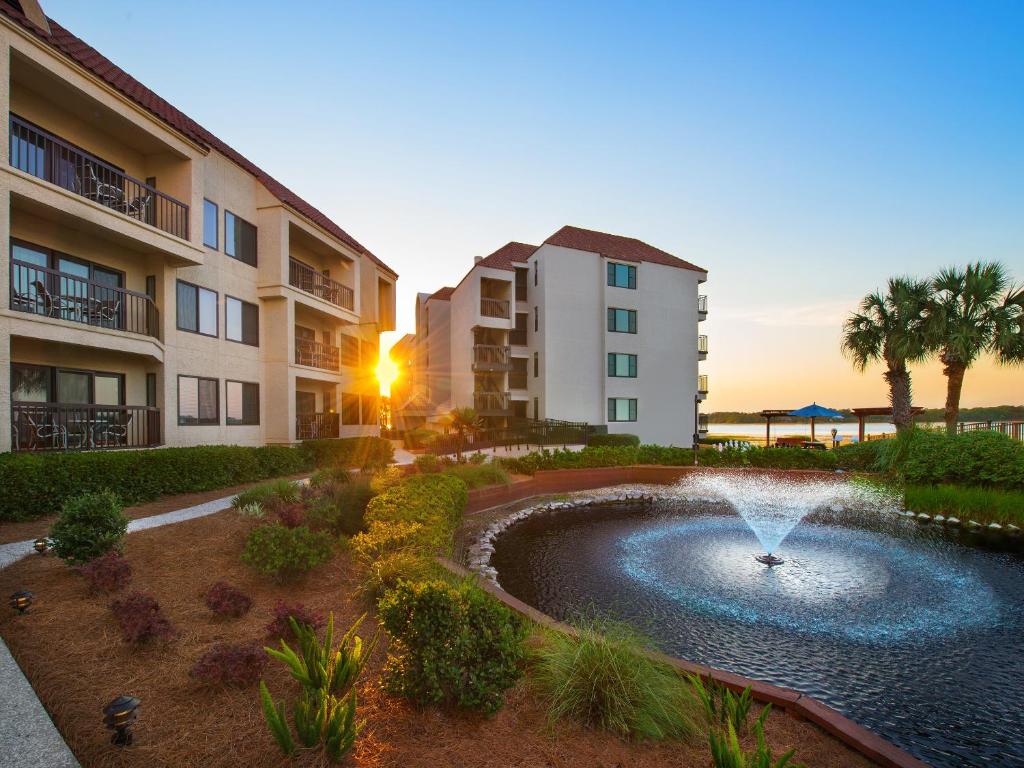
(102, 192)
(44, 431)
(53, 306)
(112, 432)
(138, 207)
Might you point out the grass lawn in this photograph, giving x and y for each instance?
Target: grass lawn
(983, 505)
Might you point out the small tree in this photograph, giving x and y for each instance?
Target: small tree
(975, 310)
(893, 329)
(465, 421)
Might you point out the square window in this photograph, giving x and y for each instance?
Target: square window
(242, 403)
(198, 401)
(197, 309)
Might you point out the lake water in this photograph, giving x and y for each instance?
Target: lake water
(822, 429)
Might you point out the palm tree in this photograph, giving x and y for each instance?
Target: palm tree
(976, 310)
(464, 421)
(892, 329)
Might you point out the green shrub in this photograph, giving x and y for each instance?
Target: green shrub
(984, 505)
(433, 501)
(88, 526)
(284, 490)
(727, 752)
(418, 438)
(598, 441)
(479, 475)
(862, 457)
(451, 644)
(603, 678)
(330, 476)
(427, 463)
(386, 571)
(343, 510)
(979, 458)
(285, 553)
(359, 452)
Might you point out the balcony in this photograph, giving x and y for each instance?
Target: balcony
(74, 427)
(702, 307)
(316, 426)
(494, 308)
(702, 385)
(491, 357)
(315, 354)
(50, 293)
(492, 403)
(702, 346)
(54, 160)
(307, 279)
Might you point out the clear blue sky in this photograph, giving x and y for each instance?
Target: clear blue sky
(802, 152)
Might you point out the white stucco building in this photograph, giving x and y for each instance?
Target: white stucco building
(587, 326)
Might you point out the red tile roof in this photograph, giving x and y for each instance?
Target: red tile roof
(88, 57)
(616, 247)
(442, 294)
(510, 253)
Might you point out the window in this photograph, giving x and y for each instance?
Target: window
(197, 309)
(368, 350)
(242, 403)
(536, 365)
(210, 218)
(535, 273)
(349, 351)
(621, 320)
(198, 401)
(241, 321)
(522, 275)
(239, 239)
(349, 408)
(621, 275)
(621, 365)
(517, 376)
(305, 403)
(151, 390)
(31, 383)
(621, 409)
(536, 408)
(370, 413)
(518, 336)
(536, 320)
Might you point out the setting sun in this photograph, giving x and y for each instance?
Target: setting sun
(387, 373)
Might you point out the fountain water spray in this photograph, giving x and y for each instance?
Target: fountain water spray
(772, 507)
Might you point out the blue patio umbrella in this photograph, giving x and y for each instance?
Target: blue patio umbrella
(815, 411)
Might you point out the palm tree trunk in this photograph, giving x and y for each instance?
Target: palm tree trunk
(954, 371)
(898, 378)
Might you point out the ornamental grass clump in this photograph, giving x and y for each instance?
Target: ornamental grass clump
(88, 526)
(325, 712)
(106, 573)
(451, 644)
(603, 678)
(230, 664)
(225, 600)
(141, 619)
(286, 553)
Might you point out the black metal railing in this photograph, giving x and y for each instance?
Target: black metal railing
(491, 357)
(702, 384)
(315, 426)
(52, 159)
(494, 308)
(521, 433)
(702, 304)
(305, 278)
(702, 344)
(67, 427)
(41, 291)
(317, 355)
(1013, 429)
(490, 402)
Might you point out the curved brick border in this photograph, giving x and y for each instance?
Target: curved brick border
(549, 482)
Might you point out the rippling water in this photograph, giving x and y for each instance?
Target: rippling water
(914, 632)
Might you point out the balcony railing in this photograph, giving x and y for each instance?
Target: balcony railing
(491, 357)
(494, 308)
(41, 291)
(702, 384)
(491, 402)
(702, 344)
(66, 427)
(52, 159)
(317, 355)
(315, 426)
(305, 278)
(702, 305)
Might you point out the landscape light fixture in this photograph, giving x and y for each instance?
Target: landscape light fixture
(40, 546)
(20, 601)
(118, 716)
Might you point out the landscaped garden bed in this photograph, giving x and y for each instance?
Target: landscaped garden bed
(72, 648)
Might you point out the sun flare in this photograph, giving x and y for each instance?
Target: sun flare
(387, 373)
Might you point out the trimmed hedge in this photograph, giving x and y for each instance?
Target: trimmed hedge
(599, 441)
(39, 484)
(983, 458)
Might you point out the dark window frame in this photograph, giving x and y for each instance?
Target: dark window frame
(216, 313)
(536, 364)
(237, 244)
(215, 245)
(613, 275)
(631, 365)
(227, 404)
(199, 422)
(228, 297)
(632, 409)
(631, 320)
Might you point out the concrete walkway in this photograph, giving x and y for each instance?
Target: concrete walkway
(28, 737)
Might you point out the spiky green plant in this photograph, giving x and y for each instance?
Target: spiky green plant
(726, 751)
(722, 706)
(277, 722)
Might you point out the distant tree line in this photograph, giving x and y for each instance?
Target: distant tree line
(990, 413)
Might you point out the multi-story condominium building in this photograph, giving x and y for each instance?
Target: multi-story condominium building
(587, 327)
(159, 288)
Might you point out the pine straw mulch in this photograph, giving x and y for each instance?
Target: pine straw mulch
(71, 650)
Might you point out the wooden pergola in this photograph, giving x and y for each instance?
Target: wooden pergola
(768, 415)
(863, 413)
